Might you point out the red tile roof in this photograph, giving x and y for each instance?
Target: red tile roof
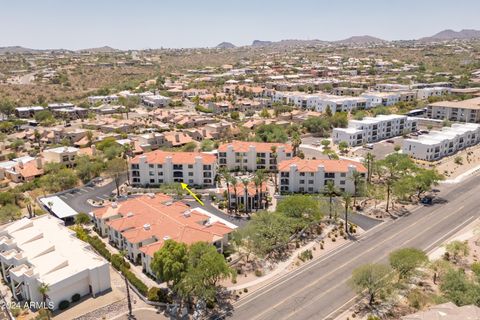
(146, 218)
(244, 146)
(158, 157)
(304, 165)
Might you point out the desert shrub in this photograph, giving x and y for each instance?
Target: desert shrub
(64, 304)
(76, 297)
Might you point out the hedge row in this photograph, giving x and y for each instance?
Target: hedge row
(118, 262)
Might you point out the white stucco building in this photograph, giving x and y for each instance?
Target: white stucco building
(156, 101)
(43, 250)
(158, 167)
(320, 101)
(252, 156)
(438, 144)
(311, 176)
(373, 129)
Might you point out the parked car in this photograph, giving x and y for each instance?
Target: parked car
(368, 146)
(390, 141)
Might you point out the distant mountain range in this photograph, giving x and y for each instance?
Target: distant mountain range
(225, 45)
(465, 34)
(448, 34)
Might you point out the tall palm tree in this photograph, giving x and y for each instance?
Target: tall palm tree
(245, 183)
(234, 182)
(370, 160)
(225, 174)
(357, 179)
(43, 290)
(331, 192)
(274, 155)
(347, 197)
(296, 142)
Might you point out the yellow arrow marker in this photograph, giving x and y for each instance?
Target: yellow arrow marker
(185, 187)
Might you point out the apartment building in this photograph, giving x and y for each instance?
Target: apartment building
(156, 101)
(141, 225)
(43, 250)
(373, 129)
(158, 167)
(445, 142)
(21, 169)
(320, 102)
(252, 156)
(462, 111)
(63, 155)
(425, 93)
(311, 176)
(381, 98)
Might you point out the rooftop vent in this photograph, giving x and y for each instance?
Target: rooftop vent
(146, 226)
(166, 238)
(130, 214)
(151, 195)
(114, 204)
(186, 214)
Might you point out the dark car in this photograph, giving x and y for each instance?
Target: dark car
(428, 200)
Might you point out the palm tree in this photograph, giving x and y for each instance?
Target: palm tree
(369, 159)
(43, 289)
(296, 142)
(347, 197)
(274, 155)
(245, 183)
(258, 180)
(331, 192)
(225, 174)
(233, 181)
(356, 178)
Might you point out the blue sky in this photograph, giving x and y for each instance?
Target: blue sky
(141, 24)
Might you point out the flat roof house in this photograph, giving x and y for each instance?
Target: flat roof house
(43, 250)
(63, 155)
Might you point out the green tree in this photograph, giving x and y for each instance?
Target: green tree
(459, 289)
(331, 192)
(9, 212)
(264, 113)
(170, 262)
(405, 261)
(235, 115)
(375, 279)
(60, 180)
(88, 168)
(82, 218)
(343, 146)
(7, 107)
(296, 142)
(302, 207)
(317, 125)
(457, 249)
(271, 133)
(43, 289)
(207, 145)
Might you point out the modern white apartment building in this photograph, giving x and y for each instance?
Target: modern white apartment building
(141, 225)
(158, 167)
(375, 98)
(320, 102)
(462, 111)
(43, 250)
(373, 129)
(156, 101)
(311, 176)
(438, 144)
(251, 156)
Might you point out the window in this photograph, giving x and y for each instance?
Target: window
(310, 181)
(190, 166)
(343, 174)
(159, 166)
(151, 173)
(302, 181)
(190, 174)
(151, 166)
(160, 180)
(342, 182)
(152, 180)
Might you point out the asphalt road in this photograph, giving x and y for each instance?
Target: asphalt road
(319, 290)
(77, 199)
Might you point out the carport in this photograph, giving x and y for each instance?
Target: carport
(59, 208)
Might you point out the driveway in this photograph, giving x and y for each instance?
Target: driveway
(240, 222)
(380, 149)
(77, 198)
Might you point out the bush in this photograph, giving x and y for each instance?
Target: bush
(258, 273)
(76, 297)
(158, 295)
(64, 304)
(134, 281)
(118, 262)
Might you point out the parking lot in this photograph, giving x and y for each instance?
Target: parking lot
(380, 149)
